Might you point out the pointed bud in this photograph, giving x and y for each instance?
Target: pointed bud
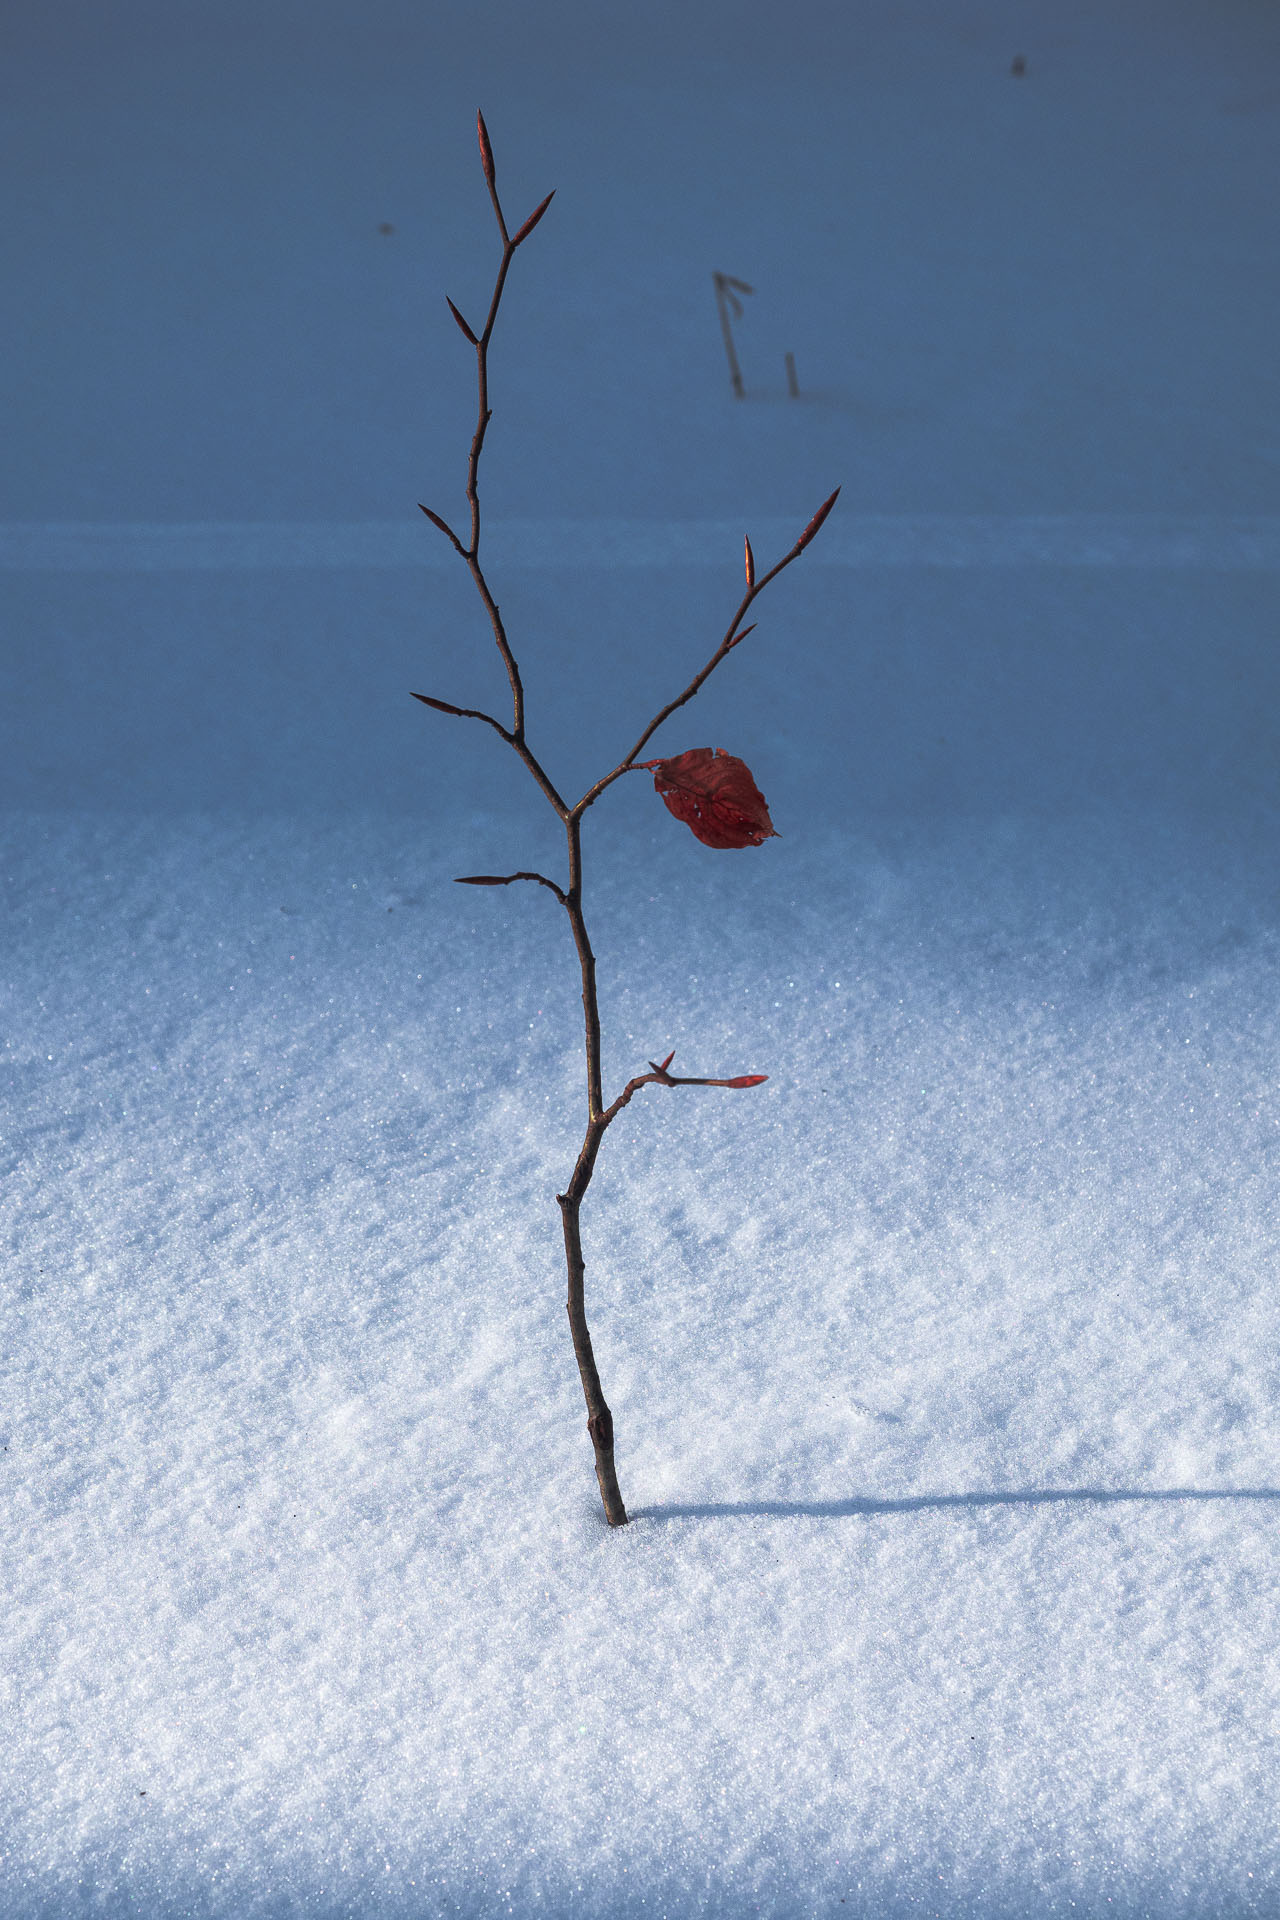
(746, 1080)
(436, 521)
(486, 151)
(742, 635)
(441, 706)
(481, 880)
(533, 219)
(667, 1062)
(816, 522)
(461, 322)
(751, 564)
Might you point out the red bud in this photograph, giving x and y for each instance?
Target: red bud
(746, 1080)
(743, 634)
(486, 151)
(435, 520)
(461, 322)
(481, 880)
(441, 706)
(533, 219)
(816, 522)
(751, 565)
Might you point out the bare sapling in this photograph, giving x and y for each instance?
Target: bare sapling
(710, 791)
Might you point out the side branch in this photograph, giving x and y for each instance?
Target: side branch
(733, 635)
(466, 713)
(444, 527)
(505, 880)
(659, 1077)
(512, 739)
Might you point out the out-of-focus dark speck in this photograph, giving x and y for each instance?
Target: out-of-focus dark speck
(1018, 68)
(385, 226)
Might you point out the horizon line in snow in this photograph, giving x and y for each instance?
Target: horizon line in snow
(1159, 540)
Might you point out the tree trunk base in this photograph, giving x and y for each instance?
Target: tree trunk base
(600, 1427)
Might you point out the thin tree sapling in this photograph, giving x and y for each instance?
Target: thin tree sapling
(711, 791)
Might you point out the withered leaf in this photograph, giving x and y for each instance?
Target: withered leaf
(714, 794)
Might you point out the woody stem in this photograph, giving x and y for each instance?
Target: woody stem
(599, 1418)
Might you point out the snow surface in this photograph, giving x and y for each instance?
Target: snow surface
(945, 1364)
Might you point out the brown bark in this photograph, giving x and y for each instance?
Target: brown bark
(599, 1418)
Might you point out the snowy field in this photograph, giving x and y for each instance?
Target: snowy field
(944, 1365)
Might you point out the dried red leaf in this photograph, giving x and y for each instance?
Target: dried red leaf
(714, 794)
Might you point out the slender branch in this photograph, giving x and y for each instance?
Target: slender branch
(732, 636)
(505, 880)
(534, 766)
(603, 1118)
(465, 713)
(659, 1077)
(484, 413)
(472, 554)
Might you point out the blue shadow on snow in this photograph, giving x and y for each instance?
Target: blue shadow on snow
(868, 1506)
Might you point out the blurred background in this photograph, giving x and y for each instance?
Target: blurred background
(1023, 257)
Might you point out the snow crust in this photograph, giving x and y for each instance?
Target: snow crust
(944, 1369)
(944, 1364)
